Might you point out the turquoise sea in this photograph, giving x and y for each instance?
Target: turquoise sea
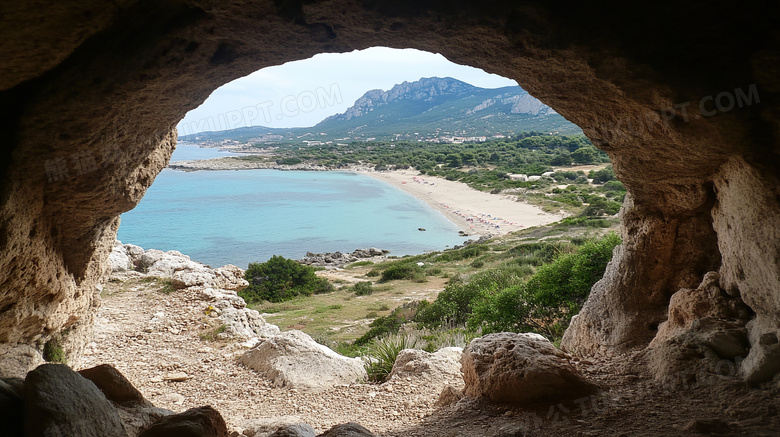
(238, 217)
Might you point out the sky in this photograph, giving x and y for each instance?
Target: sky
(303, 93)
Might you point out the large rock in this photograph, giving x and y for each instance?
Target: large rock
(350, 429)
(520, 369)
(11, 409)
(240, 322)
(119, 259)
(195, 422)
(114, 385)
(262, 427)
(437, 369)
(702, 338)
(228, 277)
(292, 359)
(17, 360)
(59, 401)
(295, 430)
(763, 361)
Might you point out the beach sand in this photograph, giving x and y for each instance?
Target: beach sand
(475, 212)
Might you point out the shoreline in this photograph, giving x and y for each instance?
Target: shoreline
(475, 212)
(472, 211)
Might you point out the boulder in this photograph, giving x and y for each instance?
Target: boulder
(114, 386)
(18, 359)
(164, 264)
(350, 429)
(520, 369)
(240, 322)
(246, 324)
(292, 359)
(262, 427)
(763, 361)
(295, 430)
(11, 409)
(195, 422)
(137, 418)
(448, 396)
(702, 338)
(437, 369)
(230, 277)
(59, 401)
(119, 259)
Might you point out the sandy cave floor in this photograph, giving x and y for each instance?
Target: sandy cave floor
(146, 335)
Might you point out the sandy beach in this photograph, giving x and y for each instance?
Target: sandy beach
(475, 212)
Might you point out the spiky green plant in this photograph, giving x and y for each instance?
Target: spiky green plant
(382, 355)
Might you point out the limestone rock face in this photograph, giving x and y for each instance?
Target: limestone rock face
(703, 337)
(292, 359)
(92, 93)
(520, 369)
(59, 401)
(240, 322)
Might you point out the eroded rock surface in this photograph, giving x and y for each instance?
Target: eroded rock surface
(520, 369)
(292, 359)
(436, 370)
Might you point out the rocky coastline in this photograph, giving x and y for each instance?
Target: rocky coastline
(339, 259)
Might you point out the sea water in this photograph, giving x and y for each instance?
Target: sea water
(238, 217)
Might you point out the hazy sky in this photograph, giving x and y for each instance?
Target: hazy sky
(302, 93)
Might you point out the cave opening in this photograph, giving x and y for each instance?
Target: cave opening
(106, 84)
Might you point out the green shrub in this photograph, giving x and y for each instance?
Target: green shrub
(548, 301)
(383, 354)
(53, 353)
(478, 264)
(470, 251)
(601, 206)
(389, 324)
(363, 288)
(401, 271)
(280, 279)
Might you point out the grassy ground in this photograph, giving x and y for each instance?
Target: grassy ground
(341, 316)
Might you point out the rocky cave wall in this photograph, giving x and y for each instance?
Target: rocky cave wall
(90, 93)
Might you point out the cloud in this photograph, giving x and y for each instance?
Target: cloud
(281, 96)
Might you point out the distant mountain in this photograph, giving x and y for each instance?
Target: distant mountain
(429, 109)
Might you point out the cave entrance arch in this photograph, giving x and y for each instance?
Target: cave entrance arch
(89, 107)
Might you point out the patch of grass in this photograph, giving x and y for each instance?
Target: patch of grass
(380, 307)
(359, 264)
(363, 288)
(53, 353)
(383, 353)
(321, 310)
(213, 334)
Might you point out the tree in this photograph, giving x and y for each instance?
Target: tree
(585, 155)
(280, 279)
